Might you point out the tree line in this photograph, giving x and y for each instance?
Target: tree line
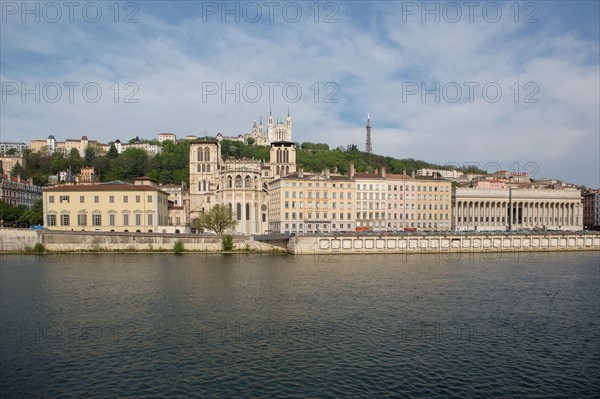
(171, 166)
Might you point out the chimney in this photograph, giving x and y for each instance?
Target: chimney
(351, 171)
(383, 172)
(301, 172)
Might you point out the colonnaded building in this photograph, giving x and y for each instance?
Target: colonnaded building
(516, 209)
(240, 184)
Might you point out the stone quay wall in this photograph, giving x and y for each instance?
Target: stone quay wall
(15, 240)
(452, 243)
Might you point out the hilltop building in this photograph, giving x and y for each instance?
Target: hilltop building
(17, 147)
(275, 131)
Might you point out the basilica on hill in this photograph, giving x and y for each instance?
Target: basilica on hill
(241, 184)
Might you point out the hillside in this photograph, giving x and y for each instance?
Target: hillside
(172, 165)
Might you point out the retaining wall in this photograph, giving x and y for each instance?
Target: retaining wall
(582, 241)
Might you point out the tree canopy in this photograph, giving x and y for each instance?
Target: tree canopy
(219, 219)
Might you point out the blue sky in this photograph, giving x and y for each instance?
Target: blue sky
(513, 85)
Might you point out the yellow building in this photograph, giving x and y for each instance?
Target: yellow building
(113, 206)
(306, 203)
(38, 146)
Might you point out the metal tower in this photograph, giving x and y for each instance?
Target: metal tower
(369, 148)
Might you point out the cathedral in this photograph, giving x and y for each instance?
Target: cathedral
(241, 184)
(276, 131)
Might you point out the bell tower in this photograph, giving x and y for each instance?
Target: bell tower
(283, 158)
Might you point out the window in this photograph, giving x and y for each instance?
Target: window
(111, 219)
(82, 219)
(111, 199)
(149, 198)
(64, 220)
(125, 199)
(51, 220)
(125, 219)
(138, 219)
(149, 220)
(64, 198)
(96, 199)
(51, 199)
(138, 198)
(97, 220)
(81, 199)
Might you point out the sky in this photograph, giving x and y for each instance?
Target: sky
(500, 85)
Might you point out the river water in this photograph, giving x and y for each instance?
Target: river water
(158, 325)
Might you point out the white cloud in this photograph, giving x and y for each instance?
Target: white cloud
(170, 62)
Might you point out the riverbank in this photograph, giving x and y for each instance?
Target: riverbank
(450, 243)
(28, 241)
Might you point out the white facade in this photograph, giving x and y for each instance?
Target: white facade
(446, 174)
(516, 209)
(149, 148)
(167, 136)
(19, 147)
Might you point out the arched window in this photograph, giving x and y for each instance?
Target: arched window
(247, 182)
(208, 168)
(230, 208)
(238, 181)
(286, 156)
(229, 182)
(287, 170)
(199, 186)
(207, 154)
(277, 173)
(238, 209)
(279, 155)
(247, 211)
(264, 217)
(199, 169)
(204, 185)
(203, 170)
(200, 157)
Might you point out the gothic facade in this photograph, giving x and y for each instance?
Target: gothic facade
(240, 184)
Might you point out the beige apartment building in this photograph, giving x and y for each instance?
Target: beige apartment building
(113, 206)
(371, 200)
(311, 202)
(422, 203)
(8, 162)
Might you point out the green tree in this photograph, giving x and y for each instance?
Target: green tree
(34, 215)
(90, 153)
(250, 141)
(219, 218)
(58, 163)
(112, 152)
(133, 162)
(18, 170)
(11, 151)
(75, 160)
